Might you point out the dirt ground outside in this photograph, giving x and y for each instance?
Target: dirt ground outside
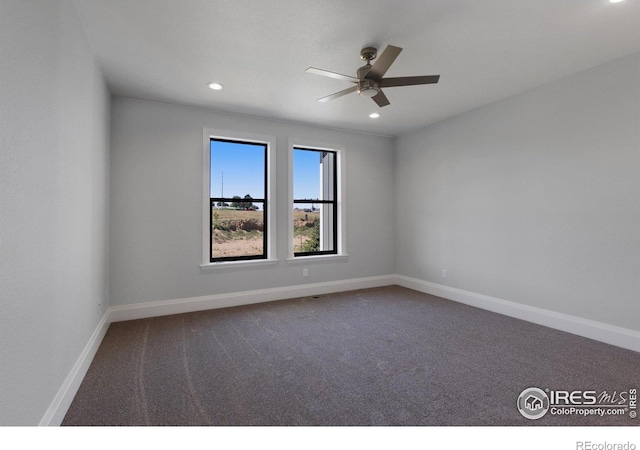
(250, 243)
(247, 247)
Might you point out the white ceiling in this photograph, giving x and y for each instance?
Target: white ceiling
(168, 50)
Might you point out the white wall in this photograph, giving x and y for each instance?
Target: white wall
(53, 202)
(534, 199)
(156, 204)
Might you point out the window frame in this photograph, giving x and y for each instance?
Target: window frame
(333, 203)
(269, 254)
(340, 242)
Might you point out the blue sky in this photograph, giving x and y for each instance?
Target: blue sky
(306, 174)
(243, 168)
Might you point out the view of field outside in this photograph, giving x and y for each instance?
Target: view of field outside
(238, 175)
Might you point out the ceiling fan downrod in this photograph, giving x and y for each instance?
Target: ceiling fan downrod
(366, 87)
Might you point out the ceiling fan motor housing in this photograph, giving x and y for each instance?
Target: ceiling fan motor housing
(363, 71)
(366, 87)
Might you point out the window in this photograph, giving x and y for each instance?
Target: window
(315, 206)
(238, 201)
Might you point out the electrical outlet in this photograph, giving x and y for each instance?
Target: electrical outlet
(444, 273)
(305, 272)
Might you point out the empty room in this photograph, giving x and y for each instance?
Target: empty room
(310, 214)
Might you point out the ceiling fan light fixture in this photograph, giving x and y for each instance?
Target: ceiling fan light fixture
(369, 92)
(368, 88)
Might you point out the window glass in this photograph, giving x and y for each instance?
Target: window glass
(238, 185)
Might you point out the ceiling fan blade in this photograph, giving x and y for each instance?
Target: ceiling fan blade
(380, 99)
(337, 76)
(338, 94)
(383, 62)
(408, 81)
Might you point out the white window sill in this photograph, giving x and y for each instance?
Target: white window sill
(317, 258)
(238, 264)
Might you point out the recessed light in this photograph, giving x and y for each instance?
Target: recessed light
(615, 1)
(374, 115)
(215, 86)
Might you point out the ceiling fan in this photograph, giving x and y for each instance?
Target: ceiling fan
(369, 81)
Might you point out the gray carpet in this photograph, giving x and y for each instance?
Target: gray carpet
(386, 356)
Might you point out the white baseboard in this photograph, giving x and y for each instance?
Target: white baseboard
(610, 334)
(61, 402)
(192, 304)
